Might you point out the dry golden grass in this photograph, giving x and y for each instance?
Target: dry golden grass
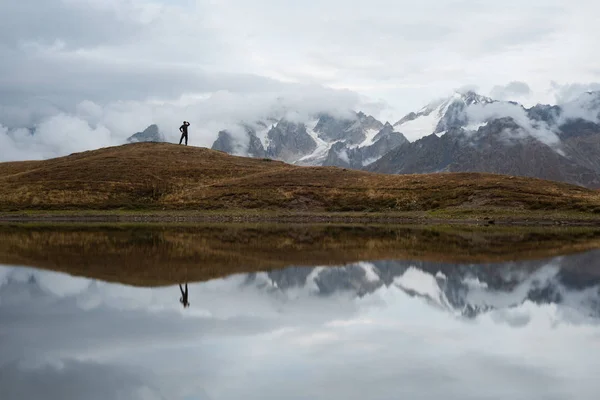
(159, 176)
(153, 255)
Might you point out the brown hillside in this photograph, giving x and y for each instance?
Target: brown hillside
(165, 176)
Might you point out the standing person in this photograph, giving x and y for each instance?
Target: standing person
(184, 132)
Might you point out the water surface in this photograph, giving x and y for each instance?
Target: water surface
(369, 328)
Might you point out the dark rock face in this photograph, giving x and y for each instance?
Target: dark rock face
(318, 144)
(289, 141)
(150, 134)
(343, 155)
(546, 142)
(351, 131)
(465, 133)
(226, 142)
(490, 149)
(546, 113)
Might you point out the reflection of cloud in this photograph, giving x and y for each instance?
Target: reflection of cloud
(75, 380)
(275, 344)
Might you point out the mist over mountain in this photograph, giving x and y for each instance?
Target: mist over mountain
(465, 132)
(353, 140)
(472, 133)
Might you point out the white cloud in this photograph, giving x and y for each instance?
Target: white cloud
(585, 106)
(121, 55)
(91, 125)
(479, 113)
(123, 342)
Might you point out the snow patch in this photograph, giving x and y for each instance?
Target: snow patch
(261, 134)
(429, 117)
(423, 284)
(323, 147)
(369, 140)
(311, 279)
(370, 272)
(420, 127)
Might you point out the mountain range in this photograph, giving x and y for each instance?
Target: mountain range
(465, 132)
(471, 133)
(353, 141)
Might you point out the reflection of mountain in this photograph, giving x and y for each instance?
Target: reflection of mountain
(464, 289)
(165, 255)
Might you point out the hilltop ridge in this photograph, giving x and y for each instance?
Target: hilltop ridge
(162, 176)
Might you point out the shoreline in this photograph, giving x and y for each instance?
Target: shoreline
(491, 218)
(158, 254)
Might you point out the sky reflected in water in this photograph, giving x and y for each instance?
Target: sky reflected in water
(376, 330)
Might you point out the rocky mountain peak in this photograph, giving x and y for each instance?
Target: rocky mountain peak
(470, 97)
(150, 134)
(440, 116)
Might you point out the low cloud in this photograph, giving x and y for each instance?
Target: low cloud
(91, 125)
(585, 106)
(480, 113)
(566, 93)
(511, 91)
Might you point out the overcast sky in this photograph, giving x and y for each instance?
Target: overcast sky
(66, 337)
(122, 64)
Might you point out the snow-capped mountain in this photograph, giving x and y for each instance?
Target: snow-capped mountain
(472, 133)
(353, 141)
(465, 132)
(460, 289)
(440, 116)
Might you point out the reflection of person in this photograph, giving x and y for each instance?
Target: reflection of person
(184, 132)
(184, 296)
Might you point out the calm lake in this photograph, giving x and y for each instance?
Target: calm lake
(299, 312)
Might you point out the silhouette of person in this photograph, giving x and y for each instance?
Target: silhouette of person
(184, 296)
(184, 132)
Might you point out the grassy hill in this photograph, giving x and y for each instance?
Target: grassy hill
(161, 177)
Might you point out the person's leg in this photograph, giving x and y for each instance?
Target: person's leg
(181, 138)
(186, 139)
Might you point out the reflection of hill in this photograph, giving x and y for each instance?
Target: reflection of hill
(154, 255)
